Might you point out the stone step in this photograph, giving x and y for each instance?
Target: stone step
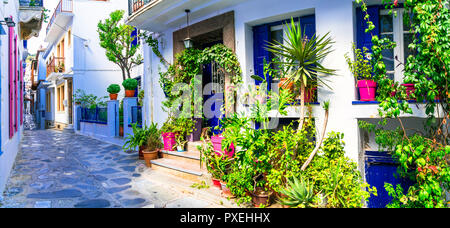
(211, 194)
(192, 146)
(190, 157)
(179, 168)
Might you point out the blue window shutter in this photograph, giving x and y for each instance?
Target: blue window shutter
(134, 35)
(308, 25)
(365, 39)
(261, 35)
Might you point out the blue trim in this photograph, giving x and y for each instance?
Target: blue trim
(91, 121)
(139, 125)
(1, 152)
(377, 102)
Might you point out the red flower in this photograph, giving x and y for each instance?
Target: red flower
(433, 168)
(395, 3)
(419, 169)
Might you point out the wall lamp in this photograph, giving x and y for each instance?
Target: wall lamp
(9, 22)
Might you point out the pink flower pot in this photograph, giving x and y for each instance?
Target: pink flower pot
(169, 141)
(367, 90)
(217, 144)
(410, 89)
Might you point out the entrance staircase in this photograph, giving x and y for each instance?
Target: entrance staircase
(185, 165)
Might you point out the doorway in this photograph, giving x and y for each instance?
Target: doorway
(213, 82)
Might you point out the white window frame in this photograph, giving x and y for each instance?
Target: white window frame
(399, 50)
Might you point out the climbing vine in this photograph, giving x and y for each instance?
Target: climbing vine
(423, 157)
(188, 64)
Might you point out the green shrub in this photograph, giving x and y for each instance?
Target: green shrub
(113, 89)
(130, 84)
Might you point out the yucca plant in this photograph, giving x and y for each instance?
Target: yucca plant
(303, 57)
(299, 193)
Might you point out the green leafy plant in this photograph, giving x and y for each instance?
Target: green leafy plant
(130, 84)
(113, 89)
(88, 100)
(303, 56)
(423, 157)
(115, 37)
(141, 96)
(298, 193)
(153, 135)
(361, 67)
(138, 138)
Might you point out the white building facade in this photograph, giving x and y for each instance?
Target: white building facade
(19, 22)
(239, 24)
(75, 60)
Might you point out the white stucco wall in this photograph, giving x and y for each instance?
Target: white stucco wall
(9, 146)
(332, 16)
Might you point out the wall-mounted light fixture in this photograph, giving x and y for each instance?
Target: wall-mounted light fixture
(8, 22)
(188, 43)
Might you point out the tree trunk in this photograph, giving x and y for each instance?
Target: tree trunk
(302, 107)
(123, 74)
(319, 144)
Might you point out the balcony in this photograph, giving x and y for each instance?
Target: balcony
(56, 65)
(135, 5)
(31, 15)
(60, 19)
(160, 15)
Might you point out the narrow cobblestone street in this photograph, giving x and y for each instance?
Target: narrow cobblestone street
(62, 169)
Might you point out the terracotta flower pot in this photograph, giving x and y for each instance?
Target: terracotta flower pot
(284, 85)
(309, 95)
(150, 155)
(259, 198)
(216, 183)
(225, 190)
(141, 154)
(129, 93)
(121, 130)
(113, 96)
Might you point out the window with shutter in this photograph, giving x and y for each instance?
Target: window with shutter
(271, 32)
(11, 80)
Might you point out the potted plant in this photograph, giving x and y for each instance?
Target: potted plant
(136, 140)
(217, 144)
(175, 128)
(180, 143)
(410, 89)
(130, 85)
(113, 91)
(152, 145)
(121, 119)
(362, 71)
(218, 166)
(297, 194)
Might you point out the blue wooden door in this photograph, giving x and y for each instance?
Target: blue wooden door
(381, 169)
(216, 94)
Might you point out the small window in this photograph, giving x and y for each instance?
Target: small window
(397, 29)
(69, 38)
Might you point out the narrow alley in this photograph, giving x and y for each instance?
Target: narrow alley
(60, 169)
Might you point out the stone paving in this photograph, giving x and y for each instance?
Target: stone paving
(57, 169)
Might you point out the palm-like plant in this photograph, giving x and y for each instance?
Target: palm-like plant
(299, 193)
(302, 55)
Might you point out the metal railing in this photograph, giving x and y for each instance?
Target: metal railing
(31, 3)
(63, 6)
(135, 5)
(94, 115)
(55, 65)
(136, 115)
